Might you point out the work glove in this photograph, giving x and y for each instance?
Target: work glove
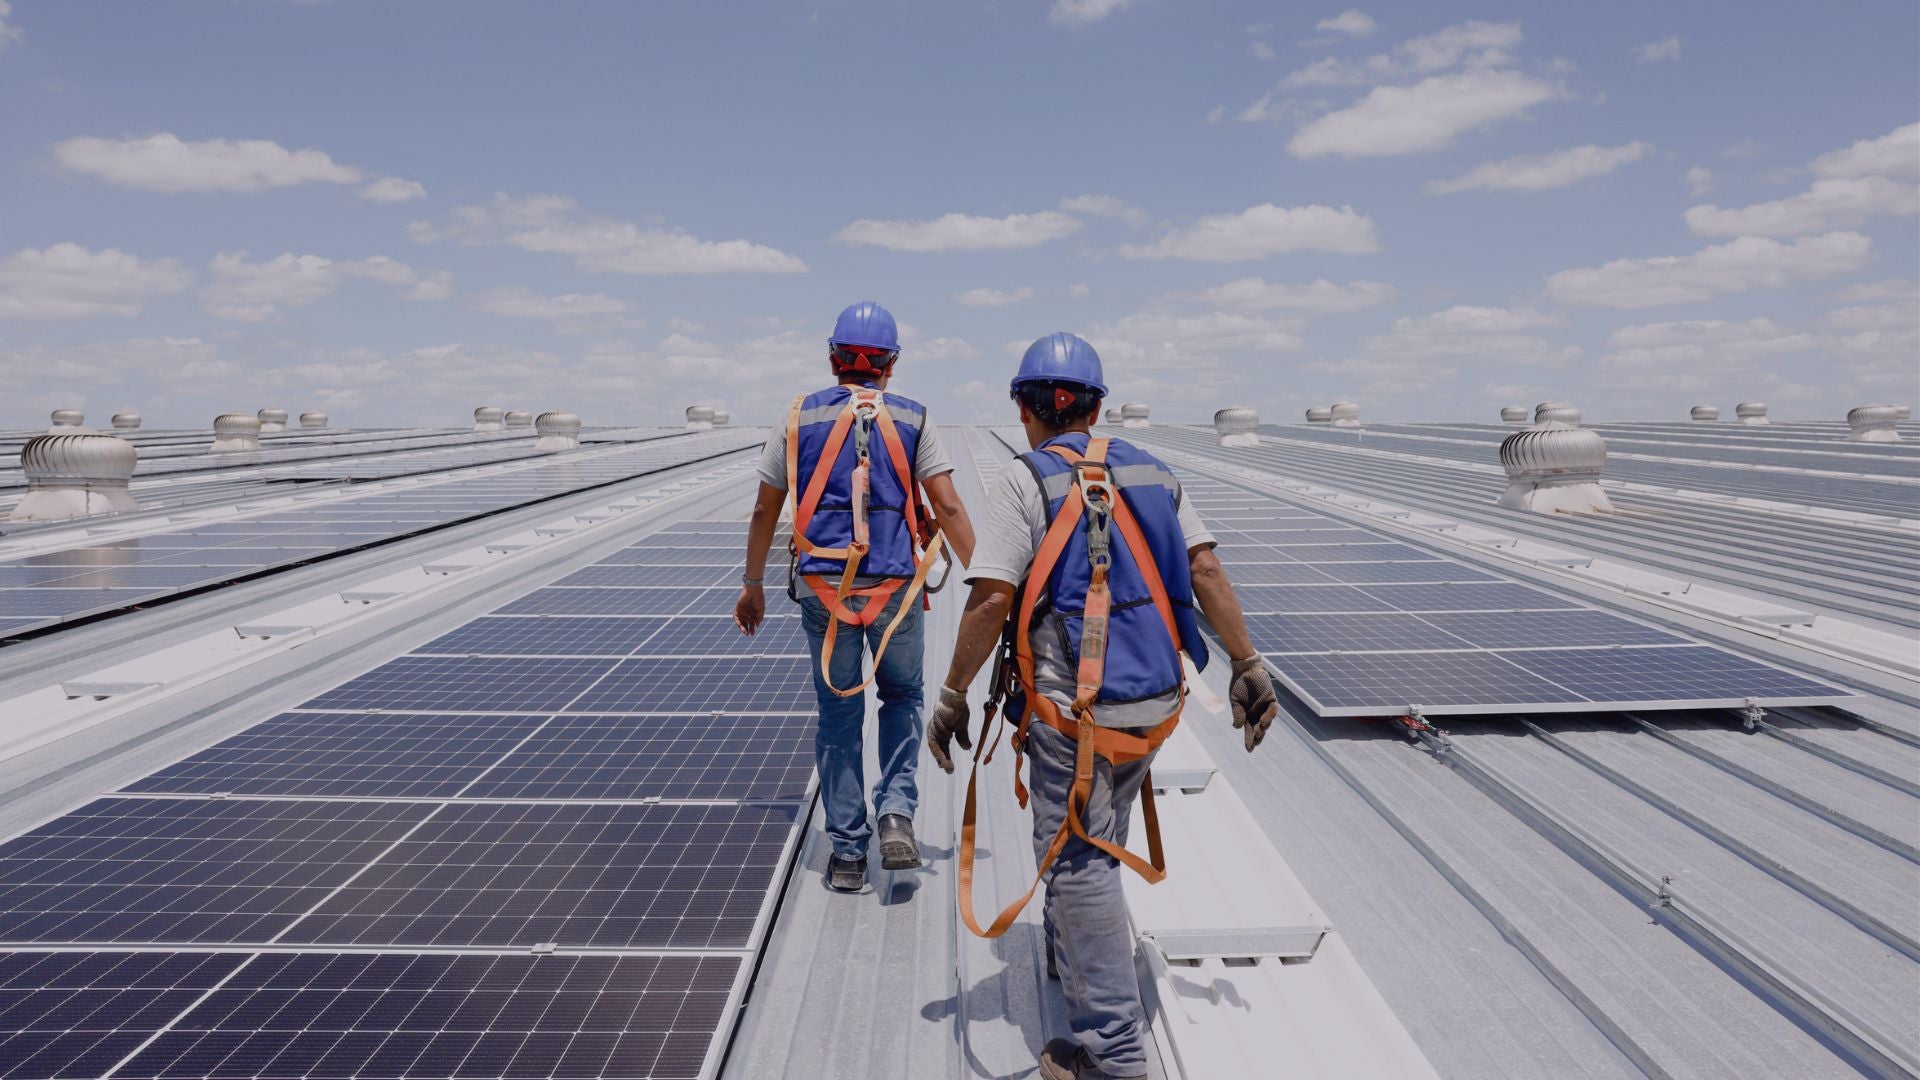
(1254, 704)
(948, 723)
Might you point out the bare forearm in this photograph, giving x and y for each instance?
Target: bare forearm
(980, 624)
(1217, 600)
(952, 516)
(766, 516)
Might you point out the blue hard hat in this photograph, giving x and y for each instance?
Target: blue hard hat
(867, 324)
(1061, 357)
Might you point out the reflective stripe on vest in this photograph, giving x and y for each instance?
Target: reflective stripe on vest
(891, 552)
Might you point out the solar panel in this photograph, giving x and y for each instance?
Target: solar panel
(1274, 573)
(1370, 684)
(182, 870)
(702, 756)
(1472, 596)
(1523, 629)
(466, 684)
(716, 635)
(657, 555)
(52, 602)
(1687, 673)
(553, 601)
(727, 684)
(400, 1015)
(1309, 633)
(79, 1013)
(358, 755)
(523, 635)
(1286, 599)
(589, 875)
(678, 576)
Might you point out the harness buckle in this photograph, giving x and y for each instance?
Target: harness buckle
(1098, 495)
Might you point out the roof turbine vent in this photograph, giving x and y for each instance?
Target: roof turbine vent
(74, 474)
(1513, 414)
(1903, 412)
(1555, 470)
(67, 419)
(489, 418)
(1133, 414)
(1873, 423)
(1113, 416)
(126, 421)
(1704, 413)
(235, 433)
(1237, 426)
(1344, 414)
(313, 420)
(721, 418)
(519, 418)
(699, 417)
(1555, 414)
(1319, 414)
(273, 420)
(558, 431)
(1753, 413)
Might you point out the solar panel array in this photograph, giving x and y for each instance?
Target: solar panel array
(544, 844)
(45, 589)
(1357, 622)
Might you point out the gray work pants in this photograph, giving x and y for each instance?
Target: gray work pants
(1086, 912)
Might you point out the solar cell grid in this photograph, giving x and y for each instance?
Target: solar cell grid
(1377, 573)
(727, 684)
(51, 602)
(716, 635)
(1526, 629)
(1243, 572)
(395, 1015)
(681, 577)
(1291, 599)
(616, 876)
(466, 684)
(1654, 674)
(702, 756)
(183, 870)
(1307, 633)
(531, 635)
(611, 601)
(76, 1014)
(358, 755)
(1385, 682)
(1467, 596)
(703, 555)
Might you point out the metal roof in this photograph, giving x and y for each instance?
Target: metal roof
(1690, 894)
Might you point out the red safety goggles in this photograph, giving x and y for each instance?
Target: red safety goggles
(862, 358)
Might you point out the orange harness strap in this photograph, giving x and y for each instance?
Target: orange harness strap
(856, 549)
(1090, 740)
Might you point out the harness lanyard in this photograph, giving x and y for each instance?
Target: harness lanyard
(1093, 497)
(866, 411)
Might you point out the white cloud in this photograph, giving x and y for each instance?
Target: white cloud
(1261, 50)
(389, 189)
(1871, 178)
(992, 298)
(244, 291)
(1418, 354)
(1747, 262)
(67, 281)
(1082, 12)
(962, 232)
(1473, 44)
(1104, 206)
(1667, 48)
(1351, 22)
(1896, 154)
(1676, 344)
(8, 33)
(1320, 296)
(1260, 231)
(1426, 116)
(570, 313)
(1079, 290)
(1541, 172)
(1699, 180)
(556, 224)
(1869, 292)
(166, 163)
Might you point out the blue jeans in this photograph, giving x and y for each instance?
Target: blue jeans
(836, 743)
(1086, 912)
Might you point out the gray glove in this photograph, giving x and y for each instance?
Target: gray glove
(947, 724)
(1254, 703)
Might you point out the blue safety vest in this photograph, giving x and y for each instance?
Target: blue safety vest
(1141, 662)
(891, 548)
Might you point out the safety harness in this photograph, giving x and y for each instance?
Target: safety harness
(1094, 499)
(864, 415)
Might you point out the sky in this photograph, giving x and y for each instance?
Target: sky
(395, 212)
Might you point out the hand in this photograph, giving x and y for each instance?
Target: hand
(750, 609)
(1254, 703)
(948, 723)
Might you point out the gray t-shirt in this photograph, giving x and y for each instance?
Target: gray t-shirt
(1004, 544)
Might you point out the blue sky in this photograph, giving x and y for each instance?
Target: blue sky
(397, 211)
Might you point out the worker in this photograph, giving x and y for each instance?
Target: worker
(1089, 565)
(853, 458)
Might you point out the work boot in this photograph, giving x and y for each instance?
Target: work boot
(897, 849)
(847, 875)
(1064, 1059)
